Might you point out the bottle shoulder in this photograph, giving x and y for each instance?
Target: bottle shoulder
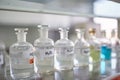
(21, 46)
(64, 42)
(43, 42)
(81, 43)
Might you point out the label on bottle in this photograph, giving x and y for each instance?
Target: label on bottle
(64, 50)
(22, 56)
(86, 51)
(1, 59)
(45, 51)
(69, 50)
(30, 56)
(31, 59)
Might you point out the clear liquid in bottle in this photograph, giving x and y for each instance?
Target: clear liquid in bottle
(44, 51)
(64, 49)
(21, 56)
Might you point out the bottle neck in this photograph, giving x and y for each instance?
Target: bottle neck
(92, 36)
(43, 33)
(80, 35)
(21, 37)
(63, 34)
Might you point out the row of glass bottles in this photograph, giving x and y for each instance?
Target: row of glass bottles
(109, 60)
(109, 55)
(25, 59)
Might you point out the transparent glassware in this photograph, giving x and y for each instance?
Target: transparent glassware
(64, 50)
(117, 51)
(82, 50)
(44, 51)
(21, 56)
(95, 42)
(106, 60)
(2, 59)
(82, 56)
(7, 67)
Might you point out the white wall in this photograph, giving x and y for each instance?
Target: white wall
(107, 8)
(11, 19)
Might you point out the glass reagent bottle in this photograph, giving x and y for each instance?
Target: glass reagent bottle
(82, 50)
(21, 56)
(64, 49)
(44, 51)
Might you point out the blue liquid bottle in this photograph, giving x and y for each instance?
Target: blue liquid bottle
(105, 64)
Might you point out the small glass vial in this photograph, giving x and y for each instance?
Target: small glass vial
(64, 49)
(44, 51)
(82, 49)
(21, 56)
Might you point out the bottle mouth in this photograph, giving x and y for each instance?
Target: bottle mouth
(43, 26)
(21, 29)
(63, 29)
(79, 30)
(21, 34)
(39, 26)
